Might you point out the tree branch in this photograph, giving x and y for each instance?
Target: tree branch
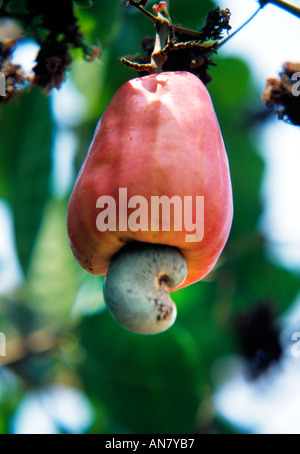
(240, 28)
(281, 4)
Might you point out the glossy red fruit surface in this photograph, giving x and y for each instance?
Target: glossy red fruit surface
(159, 136)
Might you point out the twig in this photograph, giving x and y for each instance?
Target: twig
(177, 28)
(281, 4)
(240, 28)
(137, 5)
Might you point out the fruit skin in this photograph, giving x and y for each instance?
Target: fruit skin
(158, 136)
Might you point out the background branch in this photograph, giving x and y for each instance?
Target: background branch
(281, 4)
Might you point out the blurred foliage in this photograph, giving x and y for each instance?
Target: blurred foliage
(26, 159)
(58, 330)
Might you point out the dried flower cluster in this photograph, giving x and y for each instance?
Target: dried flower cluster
(190, 50)
(13, 74)
(54, 26)
(63, 33)
(283, 94)
(259, 337)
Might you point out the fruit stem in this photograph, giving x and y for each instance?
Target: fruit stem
(177, 28)
(164, 31)
(157, 57)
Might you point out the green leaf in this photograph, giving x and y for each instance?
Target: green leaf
(147, 384)
(190, 13)
(17, 6)
(89, 299)
(54, 276)
(231, 84)
(33, 130)
(234, 96)
(100, 20)
(257, 279)
(10, 121)
(89, 78)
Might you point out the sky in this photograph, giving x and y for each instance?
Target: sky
(271, 404)
(269, 40)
